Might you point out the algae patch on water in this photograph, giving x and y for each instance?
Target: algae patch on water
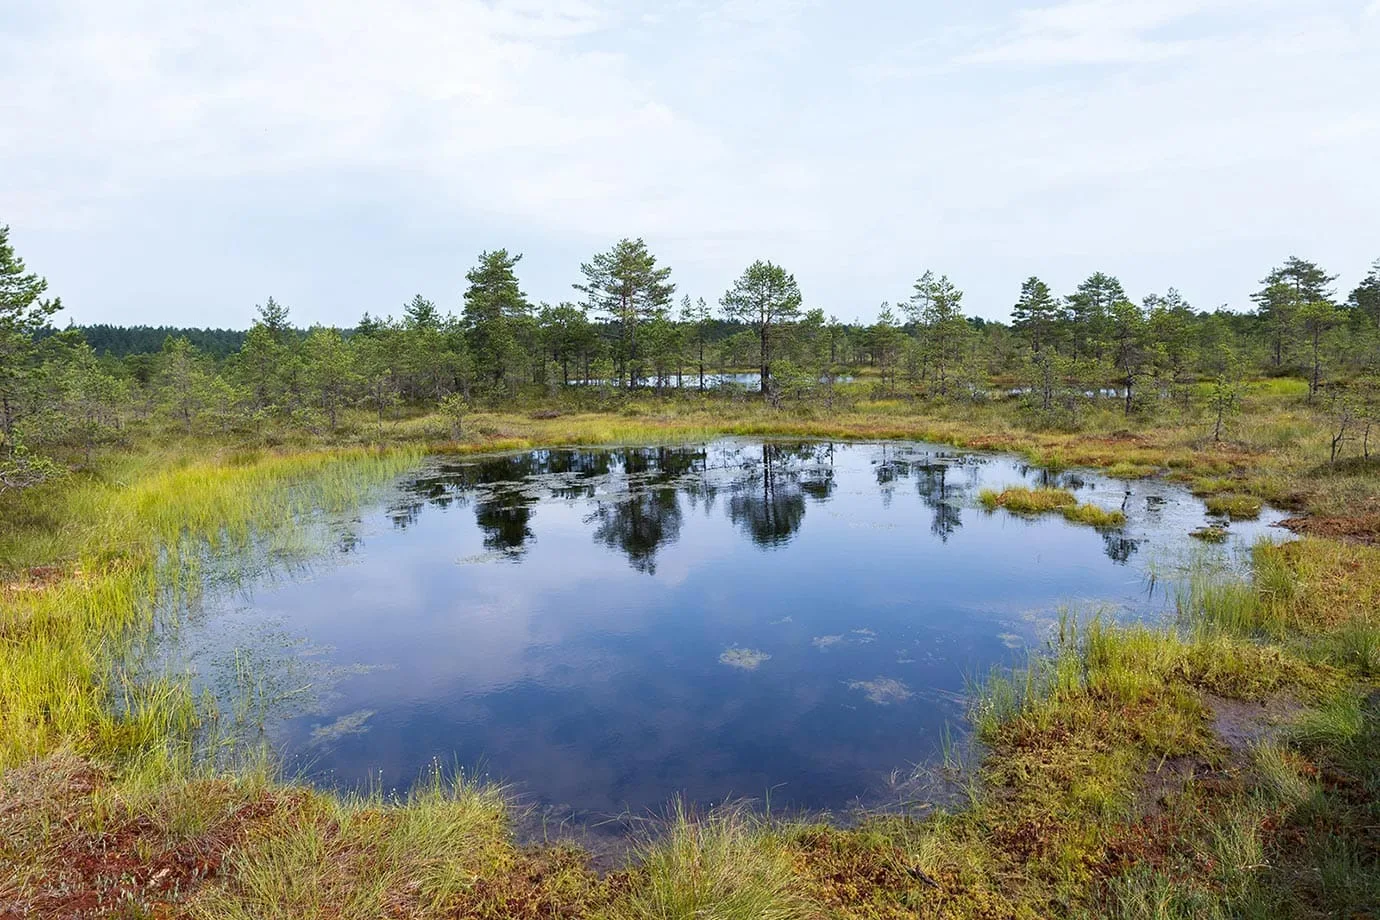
(883, 691)
(749, 659)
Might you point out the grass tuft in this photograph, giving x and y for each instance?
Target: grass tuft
(1022, 500)
(1234, 505)
(724, 865)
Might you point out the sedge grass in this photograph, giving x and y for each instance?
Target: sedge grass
(724, 865)
(360, 858)
(1023, 500)
(128, 549)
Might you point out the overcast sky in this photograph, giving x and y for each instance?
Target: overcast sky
(177, 162)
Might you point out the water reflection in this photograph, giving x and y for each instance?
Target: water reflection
(768, 502)
(608, 628)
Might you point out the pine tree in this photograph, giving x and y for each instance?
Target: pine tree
(1126, 328)
(1088, 308)
(330, 371)
(626, 285)
(936, 306)
(765, 296)
(1285, 291)
(23, 312)
(1366, 297)
(421, 314)
(1037, 314)
(494, 302)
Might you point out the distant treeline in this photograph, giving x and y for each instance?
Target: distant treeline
(123, 341)
(627, 331)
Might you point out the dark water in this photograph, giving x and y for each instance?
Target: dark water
(608, 628)
(749, 380)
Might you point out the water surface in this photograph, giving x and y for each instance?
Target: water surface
(608, 628)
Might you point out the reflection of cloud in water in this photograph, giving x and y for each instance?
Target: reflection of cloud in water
(593, 668)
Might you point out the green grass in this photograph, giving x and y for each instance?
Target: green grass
(1023, 500)
(727, 865)
(360, 858)
(1094, 516)
(124, 549)
(1235, 506)
(1211, 533)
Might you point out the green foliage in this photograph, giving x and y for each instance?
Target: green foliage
(495, 308)
(23, 312)
(626, 285)
(764, 297)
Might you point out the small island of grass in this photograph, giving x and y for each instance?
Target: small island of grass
(1022, 500)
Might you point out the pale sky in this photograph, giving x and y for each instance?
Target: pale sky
(178, 161)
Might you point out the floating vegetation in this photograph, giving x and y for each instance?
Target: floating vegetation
(749, 659)
(1234, 505)
(1022, 500)
(1210, 533)
(1093, 515)
(484, 558)
(354, 723)
(883, 691)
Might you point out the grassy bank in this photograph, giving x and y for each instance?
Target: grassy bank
(1227, 767)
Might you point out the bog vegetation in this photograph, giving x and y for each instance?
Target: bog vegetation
(74, 391)
(1223, 766)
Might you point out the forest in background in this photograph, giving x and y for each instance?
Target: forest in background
(66, 393)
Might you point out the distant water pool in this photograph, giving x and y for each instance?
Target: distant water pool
(606, 629)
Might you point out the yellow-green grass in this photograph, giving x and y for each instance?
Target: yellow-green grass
(1235, 506)
(362, 858)
(118, 549)
(1023, 500)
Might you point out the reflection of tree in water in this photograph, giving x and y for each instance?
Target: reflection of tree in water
(941, 498)
(648, 515)
(503, 504)
(933, 475)
(637, 492)
(1046, 478)
(769, 504)
(639, 525)
(504, 515)
(1119, 549)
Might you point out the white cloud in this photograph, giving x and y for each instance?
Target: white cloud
(1102, 31)
(1186, 142)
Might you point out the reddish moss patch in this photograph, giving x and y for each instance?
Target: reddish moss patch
(1364, 528)
(77, 865)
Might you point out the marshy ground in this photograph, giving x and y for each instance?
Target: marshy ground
(1226, 766)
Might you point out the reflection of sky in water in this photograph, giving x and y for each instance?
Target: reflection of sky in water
(609, 628)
